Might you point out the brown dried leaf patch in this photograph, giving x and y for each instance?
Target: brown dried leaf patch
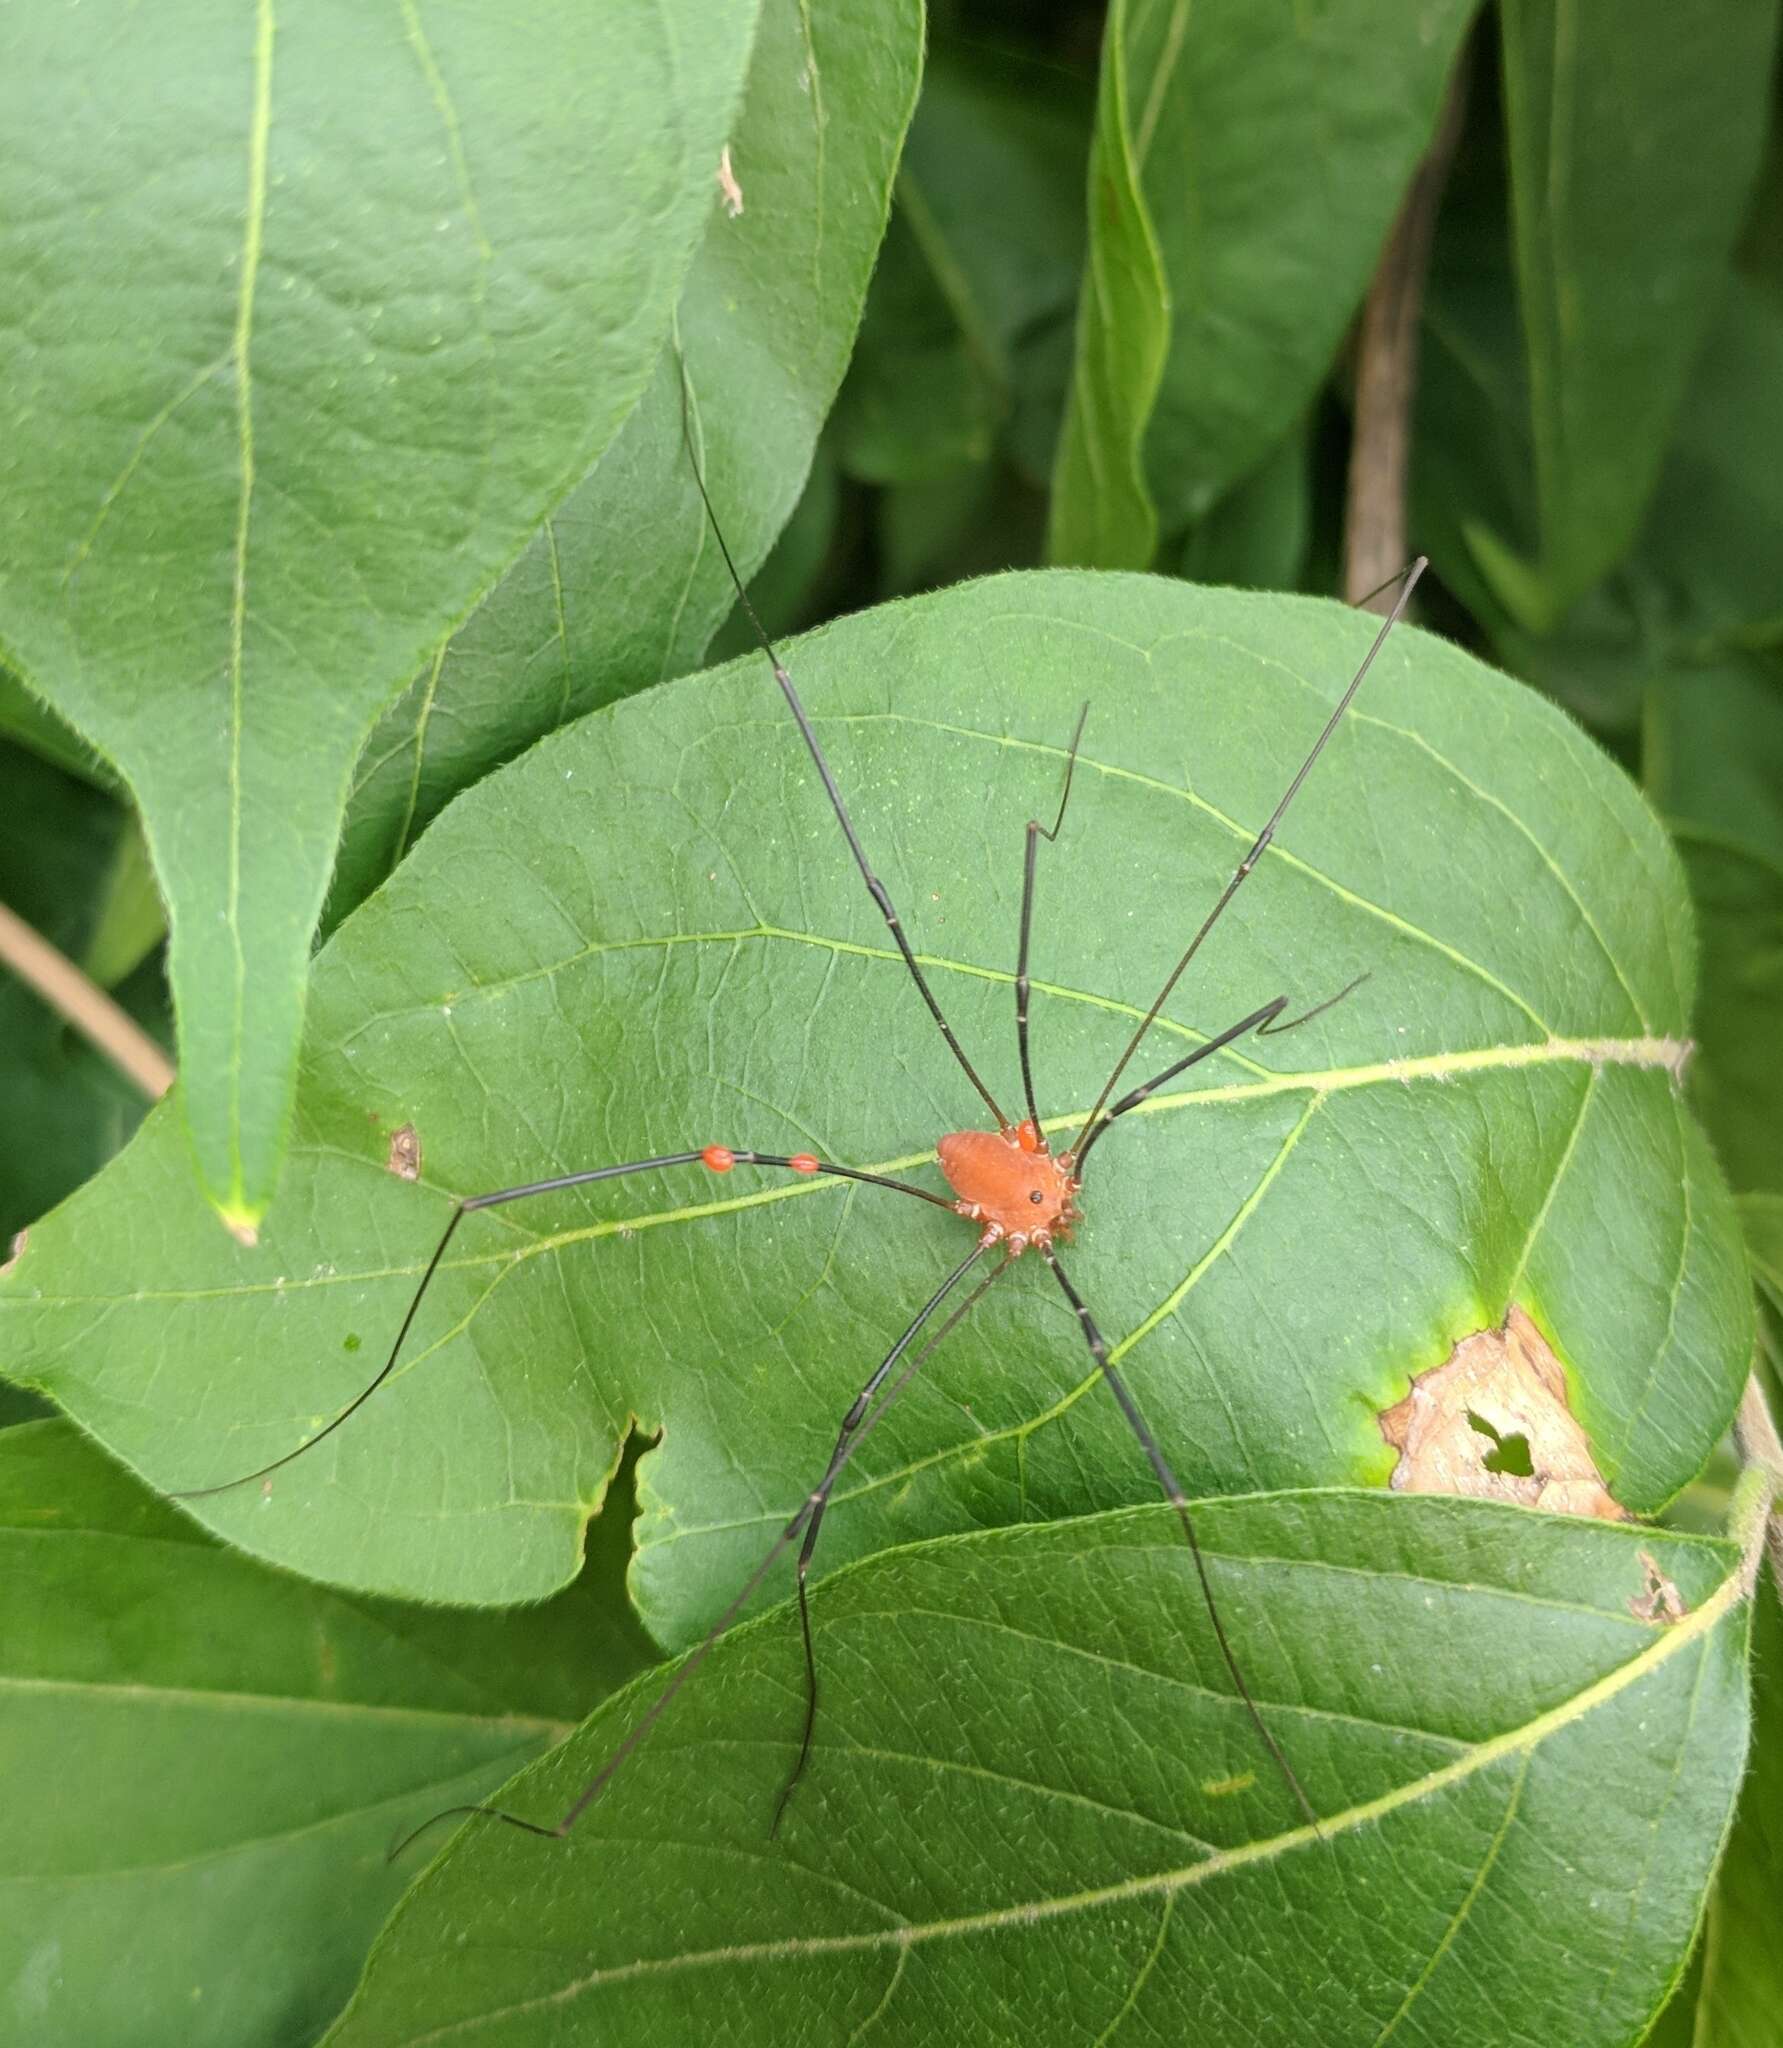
(405, 1153)
(1660, 1601)
(1492, 1422)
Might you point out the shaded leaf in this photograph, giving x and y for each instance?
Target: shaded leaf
(1734, 1990)
(785, 590)
(1707, 562)
(29, 721)
(1262, 154)
(128, 922)
(64, 1109)
(978, 275)
(622, 585)
(1762, 1215)
(1036, 1812)
(1102, 513)
(206, 1761)
(1633, 143)
(276, 427)
(17, 1405)
(1714, 766)
(645, 937)
(1259, 534)
(970, 522)
(1472, 470)
(926, 392)
(1699, 586)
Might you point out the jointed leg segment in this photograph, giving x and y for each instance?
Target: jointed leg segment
(863, 1416)
(716, 1158)
(1262, 1022)
(1174, 1494)
(819, 1501)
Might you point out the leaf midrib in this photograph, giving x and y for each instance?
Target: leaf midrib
(1442, 1067)
(524, 1726)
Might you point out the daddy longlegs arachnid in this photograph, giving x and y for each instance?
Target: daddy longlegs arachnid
(1009, 1186)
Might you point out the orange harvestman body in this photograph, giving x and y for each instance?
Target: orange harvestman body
(1011, 1182)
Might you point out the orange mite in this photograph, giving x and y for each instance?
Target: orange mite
(1010, 1182)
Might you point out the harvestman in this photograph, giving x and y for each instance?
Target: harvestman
(1007, 1181)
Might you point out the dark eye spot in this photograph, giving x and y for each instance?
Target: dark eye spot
(1034, 1195)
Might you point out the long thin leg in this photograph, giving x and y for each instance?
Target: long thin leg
(718, 1158)
(875, 887)
(1258, 846)
(1262, 1022)
(1179, 1501)
(1037, 832)
(811, 1505)
(851, 1422)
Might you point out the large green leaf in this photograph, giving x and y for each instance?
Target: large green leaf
(1037, 1813)
(318, 316)
(646, 936)
(1262, 153)
(1714, 767)
(1699, 585)
(1707, 558)
(622, 585)
(1634, 137)
(1102, 514)
(206, 1761)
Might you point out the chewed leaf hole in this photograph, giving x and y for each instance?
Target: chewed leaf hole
(1508, 1454)
(1504, 1385)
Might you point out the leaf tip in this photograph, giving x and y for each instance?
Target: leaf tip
(729, 190)
(242, 1224)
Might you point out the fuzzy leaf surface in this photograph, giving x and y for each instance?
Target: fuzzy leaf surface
(622, 584)
(318, 316)
(1036, 1812)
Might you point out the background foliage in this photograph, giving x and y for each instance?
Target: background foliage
(326, 496)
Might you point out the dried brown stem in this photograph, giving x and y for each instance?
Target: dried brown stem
(1375, 545)
(1756, 1439)
(86, 1006)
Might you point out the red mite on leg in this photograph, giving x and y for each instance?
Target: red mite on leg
(720, 1158)
(1010, 1182)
